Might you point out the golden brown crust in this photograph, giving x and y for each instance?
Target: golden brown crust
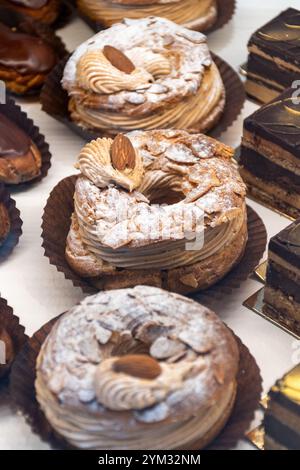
(4, 223)
(21, 83)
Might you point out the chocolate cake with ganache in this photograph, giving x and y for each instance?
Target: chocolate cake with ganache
(282, 418)
(274, 56)
(270, 153)
(282, 290)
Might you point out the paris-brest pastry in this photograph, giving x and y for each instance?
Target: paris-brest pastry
(144, 74)
(139, 201)
(137, 368)
(195, 14)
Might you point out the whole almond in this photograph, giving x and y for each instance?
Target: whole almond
(122, 153)
(138, 365)
(118, 59)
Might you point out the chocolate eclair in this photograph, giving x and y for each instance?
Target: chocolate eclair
(20, 159)
(45, 11)
(4, 223)
(25, 60)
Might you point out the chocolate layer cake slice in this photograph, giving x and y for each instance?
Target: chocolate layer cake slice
(274, 56)
(282, 418)
(282, 290)
(270, 153)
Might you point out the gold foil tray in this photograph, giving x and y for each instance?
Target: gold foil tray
(261, 272)
(257, 437)
(256, 303)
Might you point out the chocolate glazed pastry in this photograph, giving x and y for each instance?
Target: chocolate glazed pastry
(28, 51)
(20, 159)
(45, 11)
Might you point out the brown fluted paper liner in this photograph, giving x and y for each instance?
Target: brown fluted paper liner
(11, 324)
(15, 223)
(22, 390)
(13, 112)
(54, 100)
(226, 9)
(56, 224)
(65, 15)
(26, 25)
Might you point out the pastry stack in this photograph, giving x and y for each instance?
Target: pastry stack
(137, 369)
(144, 74)
(137, 200)
(194, 14)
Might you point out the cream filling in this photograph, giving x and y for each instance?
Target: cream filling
(96, 74)
(85, 431)
(201, 13)
(200, 110)
(163, 255)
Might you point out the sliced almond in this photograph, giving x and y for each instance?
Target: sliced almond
(122, 153)
(138, 365)
(118, 59)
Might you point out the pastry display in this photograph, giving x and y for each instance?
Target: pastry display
(274, 51)
(4, 223)
(270, 154)
(20, 159)
(137, 368)
(6, 345)
(282, 290)
(45, 11)
(194, 14)
(282, 417)
(144, 74)
(25, 60)
(140, 199)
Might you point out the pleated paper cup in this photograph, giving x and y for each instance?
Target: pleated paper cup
(54, 100)
(56, 225)
(249, 388)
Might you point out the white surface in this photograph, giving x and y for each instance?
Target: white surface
(37, 292)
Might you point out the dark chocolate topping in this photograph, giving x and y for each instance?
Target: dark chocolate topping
(281, 36)
(286, 244)
(279, 121)
(25, 53)
(33, 4)
(13, 140)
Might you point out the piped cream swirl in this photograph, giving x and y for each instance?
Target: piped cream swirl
(95, 163)
(95, 73)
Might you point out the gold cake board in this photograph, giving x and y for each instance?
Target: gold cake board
(256, 303)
